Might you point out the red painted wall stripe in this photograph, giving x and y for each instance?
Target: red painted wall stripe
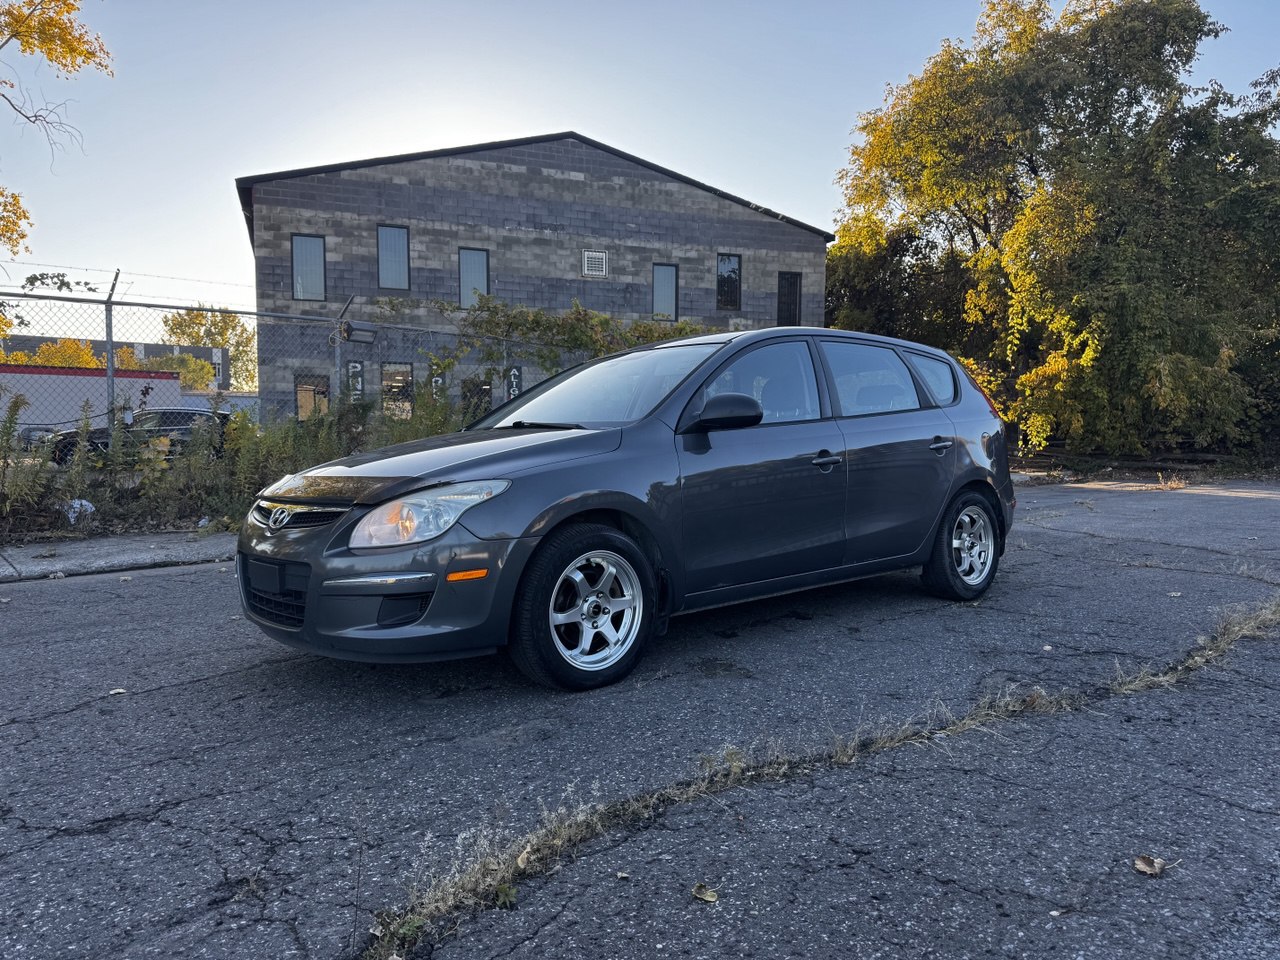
(89, 372)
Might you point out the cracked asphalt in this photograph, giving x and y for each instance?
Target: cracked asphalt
(238, 799)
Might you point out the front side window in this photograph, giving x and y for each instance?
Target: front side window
(308, 267)
(666, 284)
(393, 258)
(473, 275)
(728, 281)
(869, 379)
(779, 375)
(397, 390)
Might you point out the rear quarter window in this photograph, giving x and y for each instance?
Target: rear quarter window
(938, 375)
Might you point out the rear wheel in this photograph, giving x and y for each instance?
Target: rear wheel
(584, 611)
(966, 550)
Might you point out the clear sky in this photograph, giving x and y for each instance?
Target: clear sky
(755, 98)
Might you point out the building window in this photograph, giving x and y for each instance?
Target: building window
(666, 287)
(595, 263)
(728, 281)
(393, 258)
(473, 275)
(311, 394)
(308, 267)
(397, 390)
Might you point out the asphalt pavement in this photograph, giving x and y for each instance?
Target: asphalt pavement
(177, 785)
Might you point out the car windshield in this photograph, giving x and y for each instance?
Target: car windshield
(612, 393)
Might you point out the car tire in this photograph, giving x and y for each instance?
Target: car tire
(966, 550)
(585, 608)
(63, 451)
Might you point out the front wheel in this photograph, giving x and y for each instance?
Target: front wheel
(966, 550)
(584, 610)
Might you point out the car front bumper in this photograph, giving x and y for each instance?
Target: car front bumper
(306, 589)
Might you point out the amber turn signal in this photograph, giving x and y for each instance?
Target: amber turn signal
(467, 575)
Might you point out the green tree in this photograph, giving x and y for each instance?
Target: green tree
(204, 326)
(49, 31)
(1116, 225)
(193, 373)
(495, 334)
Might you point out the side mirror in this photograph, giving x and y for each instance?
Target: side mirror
(728, 411)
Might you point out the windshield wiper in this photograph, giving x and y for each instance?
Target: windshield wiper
(540, 425)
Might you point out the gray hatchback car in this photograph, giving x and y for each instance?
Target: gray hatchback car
(572, 522)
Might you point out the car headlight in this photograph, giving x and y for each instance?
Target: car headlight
(422, 516)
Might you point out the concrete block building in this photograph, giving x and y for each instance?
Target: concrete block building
(540, 221)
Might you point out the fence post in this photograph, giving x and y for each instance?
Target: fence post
(111, 355)
(335, 392)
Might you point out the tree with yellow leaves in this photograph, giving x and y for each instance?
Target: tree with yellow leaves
(48, 30)
(1115, 226)
(58, 353)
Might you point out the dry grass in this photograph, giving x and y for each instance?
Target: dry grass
(488, 864)
(1171, 482)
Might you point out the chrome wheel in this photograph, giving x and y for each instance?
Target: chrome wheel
(595, 610)
(972, 545)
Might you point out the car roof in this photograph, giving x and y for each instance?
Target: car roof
(773, 333)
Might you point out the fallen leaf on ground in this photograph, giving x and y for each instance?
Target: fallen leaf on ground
(522, 861)
(117, 690)
(705, 893)
(1152, 866)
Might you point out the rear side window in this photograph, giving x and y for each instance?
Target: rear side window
(938, 375)
(869, 379)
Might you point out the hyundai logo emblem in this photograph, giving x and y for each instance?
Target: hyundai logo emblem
(279, 517)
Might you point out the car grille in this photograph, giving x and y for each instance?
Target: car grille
(298, 516)
(286, 606)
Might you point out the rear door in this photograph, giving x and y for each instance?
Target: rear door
(900, 450)
(766, 501)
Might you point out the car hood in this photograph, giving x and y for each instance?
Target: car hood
(483, 454)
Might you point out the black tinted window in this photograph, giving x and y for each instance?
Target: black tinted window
(780, 376)
(937, 374)
(869, 379)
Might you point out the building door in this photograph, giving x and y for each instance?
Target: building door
(788, 299)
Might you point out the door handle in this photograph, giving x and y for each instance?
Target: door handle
(939, 444)
(826, 458)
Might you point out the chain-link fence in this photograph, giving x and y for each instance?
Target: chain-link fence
(118, 415)
(73, 359)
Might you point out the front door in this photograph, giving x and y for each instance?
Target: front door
(766, 501)
(788, 299)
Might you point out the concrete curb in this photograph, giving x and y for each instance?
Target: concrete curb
(73, 558)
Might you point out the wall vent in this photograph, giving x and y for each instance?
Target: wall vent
(595, 263)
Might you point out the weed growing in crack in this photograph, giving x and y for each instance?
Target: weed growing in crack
(488, 863)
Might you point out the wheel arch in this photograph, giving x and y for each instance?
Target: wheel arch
(627, 520)
(982, 486)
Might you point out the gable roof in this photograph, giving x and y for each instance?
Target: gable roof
(244, 185)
